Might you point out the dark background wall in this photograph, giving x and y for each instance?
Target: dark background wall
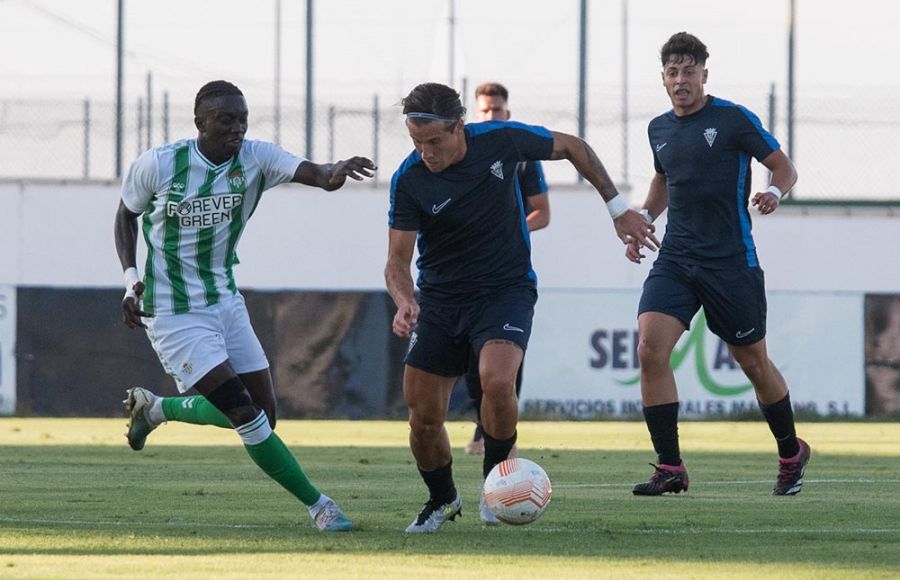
(332, 354)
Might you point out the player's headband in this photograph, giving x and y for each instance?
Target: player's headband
(431, 117)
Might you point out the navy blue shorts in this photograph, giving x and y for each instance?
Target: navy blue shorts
(734, 300)
(445, 335)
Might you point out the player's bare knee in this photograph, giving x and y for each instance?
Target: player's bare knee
(426, 426)
(497, 387)
(651, 356)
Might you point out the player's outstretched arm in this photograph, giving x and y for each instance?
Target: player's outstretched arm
(331, 176)
(399, 280)
(657, 201)
(784, 176)
(126, 248)
(630, 225)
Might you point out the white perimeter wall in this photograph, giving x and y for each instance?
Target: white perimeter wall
(61, 234)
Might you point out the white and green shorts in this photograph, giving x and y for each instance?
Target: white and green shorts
(191, 344)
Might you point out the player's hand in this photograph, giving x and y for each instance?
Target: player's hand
(406, 319)
(355, 168)
(765, 201)
(131, 313)
(632, 227)
(633, 252)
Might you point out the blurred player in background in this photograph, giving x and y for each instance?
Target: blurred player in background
(702, 151)
(195, 197)
(455, 197)
(492, 104)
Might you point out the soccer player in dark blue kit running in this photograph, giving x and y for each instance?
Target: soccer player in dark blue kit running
(456, 197)
(492, 104)
(702, 151)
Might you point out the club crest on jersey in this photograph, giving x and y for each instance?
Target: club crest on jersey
(710, 135)
(236, 180)
(497, 169)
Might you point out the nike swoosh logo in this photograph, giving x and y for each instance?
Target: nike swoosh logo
(740, 334)
(509, 328)
(660, 146)
(435, 209)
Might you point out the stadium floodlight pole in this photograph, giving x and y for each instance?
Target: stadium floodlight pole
(120, 40)
(309, 79)
(582, 72)
(277, 112)
(790, 87)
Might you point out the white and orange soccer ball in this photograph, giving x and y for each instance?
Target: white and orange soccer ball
(517, 491)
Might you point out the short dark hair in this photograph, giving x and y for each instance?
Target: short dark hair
(683, 44)
(435, 99)
(492, 90)
(214, 89)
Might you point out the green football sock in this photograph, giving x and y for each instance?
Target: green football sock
(273, 457)
(195, 410)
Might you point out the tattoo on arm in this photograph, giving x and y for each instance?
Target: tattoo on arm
(598, 176)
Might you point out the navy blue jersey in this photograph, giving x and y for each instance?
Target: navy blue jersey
(473, 238)
(531, 181)
(706, 157)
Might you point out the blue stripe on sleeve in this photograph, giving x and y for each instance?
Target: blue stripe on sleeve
(523, 223)
(770, 140)
(743, 216)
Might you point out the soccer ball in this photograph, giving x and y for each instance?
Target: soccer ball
(517, 491)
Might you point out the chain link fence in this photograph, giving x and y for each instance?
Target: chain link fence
(843, 141)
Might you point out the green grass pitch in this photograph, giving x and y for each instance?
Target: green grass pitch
(76, 502)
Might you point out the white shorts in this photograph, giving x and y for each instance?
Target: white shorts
(190, 345)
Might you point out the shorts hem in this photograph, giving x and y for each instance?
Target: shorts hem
(184, 386)
(433, 371)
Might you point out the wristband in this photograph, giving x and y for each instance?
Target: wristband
(644, 212)
(774, 190)
(617, 206)
(131, 278)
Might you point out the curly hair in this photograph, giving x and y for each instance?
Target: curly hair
(682, 45)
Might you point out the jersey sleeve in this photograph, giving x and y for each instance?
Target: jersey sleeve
(141, 183)
(532, 180)
(751, 136)
(277, 164)
(532, 142)
(403, 213)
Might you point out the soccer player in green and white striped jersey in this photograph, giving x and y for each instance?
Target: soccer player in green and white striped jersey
(194, 198)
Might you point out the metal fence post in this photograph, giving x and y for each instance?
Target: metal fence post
(149, 110)
(376, 129)
(331, 133)
(140, 125)
(165, 116)
(87, 139)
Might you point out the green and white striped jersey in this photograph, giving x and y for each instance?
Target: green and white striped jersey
(194, 213)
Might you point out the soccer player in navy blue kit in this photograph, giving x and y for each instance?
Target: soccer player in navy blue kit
(456, 196)
(702, 151)
(492, 104)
